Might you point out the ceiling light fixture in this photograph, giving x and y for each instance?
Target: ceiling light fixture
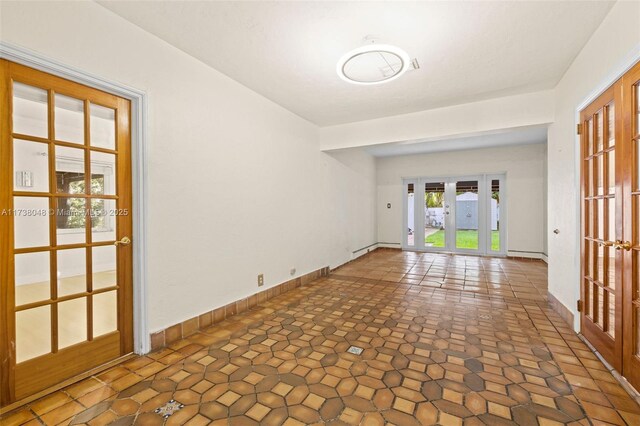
(374, 64)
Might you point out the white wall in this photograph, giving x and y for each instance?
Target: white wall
(511, 112)
(615, 43)
(523, 165)
(237, 185)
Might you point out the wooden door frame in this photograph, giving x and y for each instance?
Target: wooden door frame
(138, 99)
(624, 65)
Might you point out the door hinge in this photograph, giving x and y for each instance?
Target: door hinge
(579, 128)
(579, 305)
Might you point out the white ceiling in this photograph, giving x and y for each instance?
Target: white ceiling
(287, 51)
(519, 136)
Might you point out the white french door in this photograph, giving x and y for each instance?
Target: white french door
(463, 214)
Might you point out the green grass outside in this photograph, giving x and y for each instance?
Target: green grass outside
(464, 239)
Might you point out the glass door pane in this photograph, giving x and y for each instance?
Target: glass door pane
(494, 216)
(411, 223)
(30, 116)
(434, 214)
(467, 215)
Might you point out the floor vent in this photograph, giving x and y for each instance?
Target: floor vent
(355, 350)
(169, 408)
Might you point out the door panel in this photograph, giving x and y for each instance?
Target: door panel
(436, 210)
(496, 188)
(468, 215)
(630, 140)
(601, 211)
(610, 317)
(65, 194)
(409, 222)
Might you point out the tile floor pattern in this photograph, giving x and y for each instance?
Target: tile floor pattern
(448, 340)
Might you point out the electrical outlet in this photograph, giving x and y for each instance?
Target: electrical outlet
(260, 280)
(292, 271)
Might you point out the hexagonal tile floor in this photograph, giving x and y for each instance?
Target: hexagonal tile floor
(447, 340)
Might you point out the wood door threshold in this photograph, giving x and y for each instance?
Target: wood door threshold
(65, 383)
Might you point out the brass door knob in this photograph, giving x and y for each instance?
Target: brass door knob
(125, 241)
(625, 245)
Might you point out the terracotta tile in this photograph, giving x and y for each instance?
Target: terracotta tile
(124, 407)
(50, 402)
(599, 412)
(313, 401)
(228, 398)
(64, 412)
(258, 411)
(83, 387)
(103, 419)
(96, 396)
(449, 340)
(404, 405)
(16, 418)
(190, 326)
(205, 320)
(218, 315)
(173, 333)
(157, 340)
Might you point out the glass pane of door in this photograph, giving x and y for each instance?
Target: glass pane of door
(103, 127)
(32, 277)
(33, 333)
(411, 225)
(30, 110)
(494, 216)
(434, 214)
(69, 119)
(30, 166)
(467, 215)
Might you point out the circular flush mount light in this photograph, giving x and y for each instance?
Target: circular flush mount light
(373, 64)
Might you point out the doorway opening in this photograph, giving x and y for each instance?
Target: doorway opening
(464, 214)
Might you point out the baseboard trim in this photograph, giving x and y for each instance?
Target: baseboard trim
(522, 254)
(560, 309)
(392, 246)
(368, 248)
(162, 338)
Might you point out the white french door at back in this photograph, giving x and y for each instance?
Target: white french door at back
(455, 214)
